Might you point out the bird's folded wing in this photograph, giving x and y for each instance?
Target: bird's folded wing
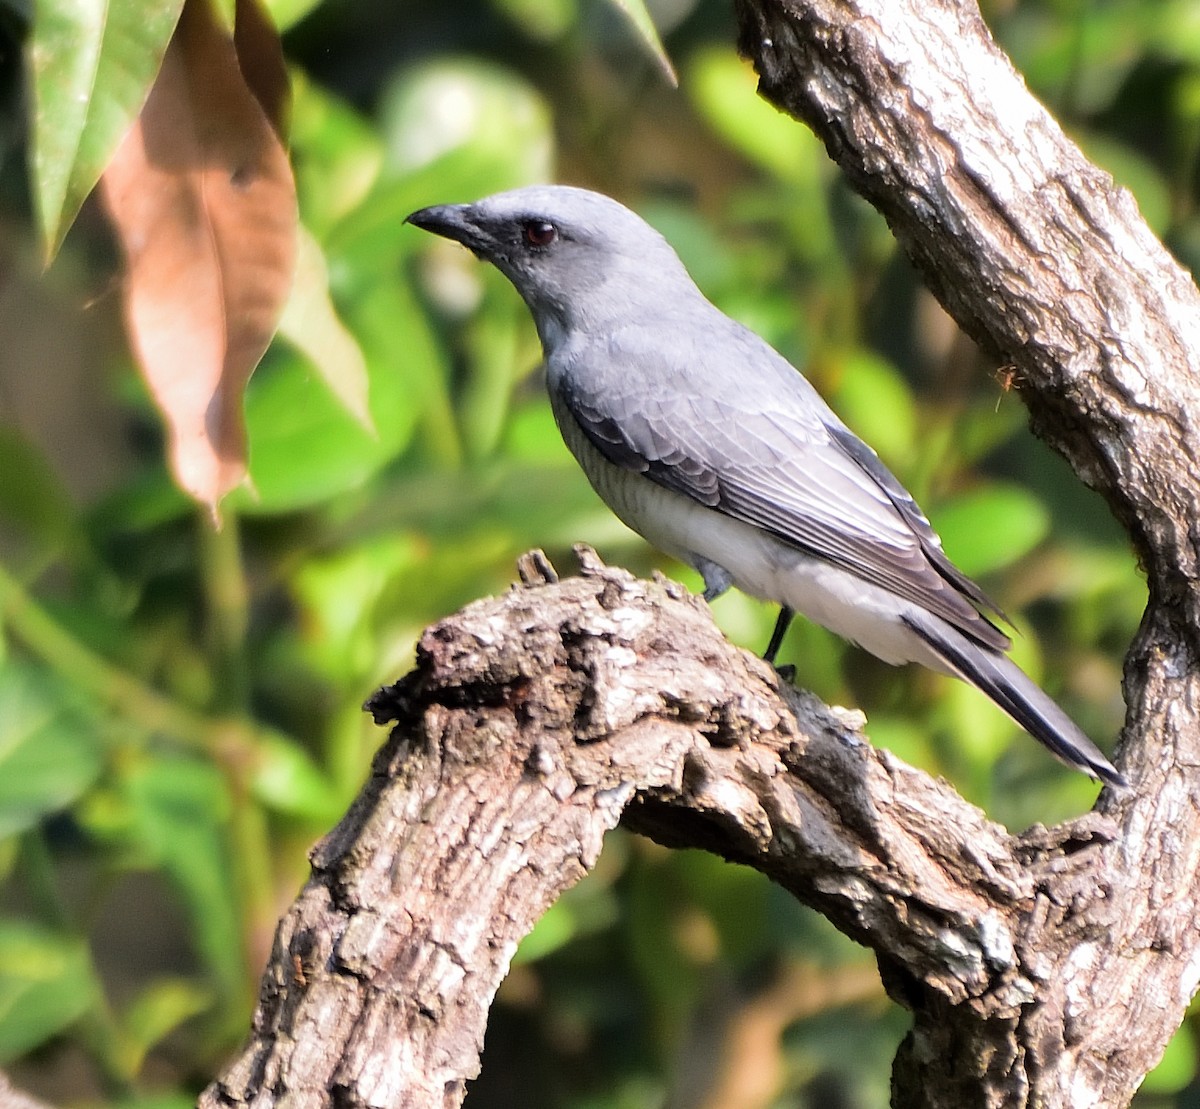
(781, 466)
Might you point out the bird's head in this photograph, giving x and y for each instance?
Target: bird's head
(575, 256)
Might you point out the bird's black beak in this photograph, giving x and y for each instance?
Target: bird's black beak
(453, 221)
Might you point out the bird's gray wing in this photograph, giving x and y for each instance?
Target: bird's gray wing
(781, 460)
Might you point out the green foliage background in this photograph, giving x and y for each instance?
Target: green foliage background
(179, 708)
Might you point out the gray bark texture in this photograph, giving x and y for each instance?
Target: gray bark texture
(1045, 969)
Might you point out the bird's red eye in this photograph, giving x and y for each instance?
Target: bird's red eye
(540, 233)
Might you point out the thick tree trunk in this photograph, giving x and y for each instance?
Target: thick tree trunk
(1047, 969)
(1040, 258)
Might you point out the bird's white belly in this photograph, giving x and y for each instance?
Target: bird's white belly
(759, 563)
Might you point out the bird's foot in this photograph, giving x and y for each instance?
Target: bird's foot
(716, 578)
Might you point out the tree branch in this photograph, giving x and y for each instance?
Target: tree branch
(531, 725)
(1043, 260)
(1049, 968)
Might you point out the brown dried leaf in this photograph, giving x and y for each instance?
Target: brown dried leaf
(260, 57)
(203, 200)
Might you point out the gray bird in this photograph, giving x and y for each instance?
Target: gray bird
(712, 446)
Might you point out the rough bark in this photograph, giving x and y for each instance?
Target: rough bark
(531, 724)
(1043, 260)
(1046, 969)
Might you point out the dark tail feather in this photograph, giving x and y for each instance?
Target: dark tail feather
(1010, 688)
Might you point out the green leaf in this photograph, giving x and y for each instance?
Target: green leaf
(583, 910)
(285, 13)
(978, 731)
(336, 155)
(304, 446)
(493, 341)
(725, 91)
(457, 104)
(990, 528)
(49, 750)
(92, 63)
(871, 395)
(310, 323)
(545, 20)
(287, 780)
(635, 11)
(554, 929)
(157, 1011)
(46, 984)
(339, 594)
(32, 495)
(179, 808)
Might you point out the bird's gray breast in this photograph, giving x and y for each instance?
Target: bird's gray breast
(659, 515)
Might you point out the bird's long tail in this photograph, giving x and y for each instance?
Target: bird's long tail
(1013, 691)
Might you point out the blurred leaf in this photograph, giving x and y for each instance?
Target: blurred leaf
(407, 361)
(668, 974)
(1175, 30)
(493, 345)
(339, 593)
(371, 239)
(336, 155)
(990, 528)
(32, 495)
(971, 435)
(179, 807)
(458, 104)
(92, 63)
(311, 325)
(46, 985)
(306, 447)
(871, 395)
(978, 733)
(285, 13)
(1177, 1067)
(49, 750)
(546, 20)
(554, 929)
(584, 909)
(635, 11)
(287, 780)
(155, 1013)
(201, 194)
(531, 435)
(147, 500)
(153, 1101)
(735, 900)
(725, 90)
(1079, 55)
(904, 737)
(706, 254)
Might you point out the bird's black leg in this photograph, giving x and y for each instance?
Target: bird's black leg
(781, 627)
(716, 578)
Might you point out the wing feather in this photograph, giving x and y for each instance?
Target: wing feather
(769, 452)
